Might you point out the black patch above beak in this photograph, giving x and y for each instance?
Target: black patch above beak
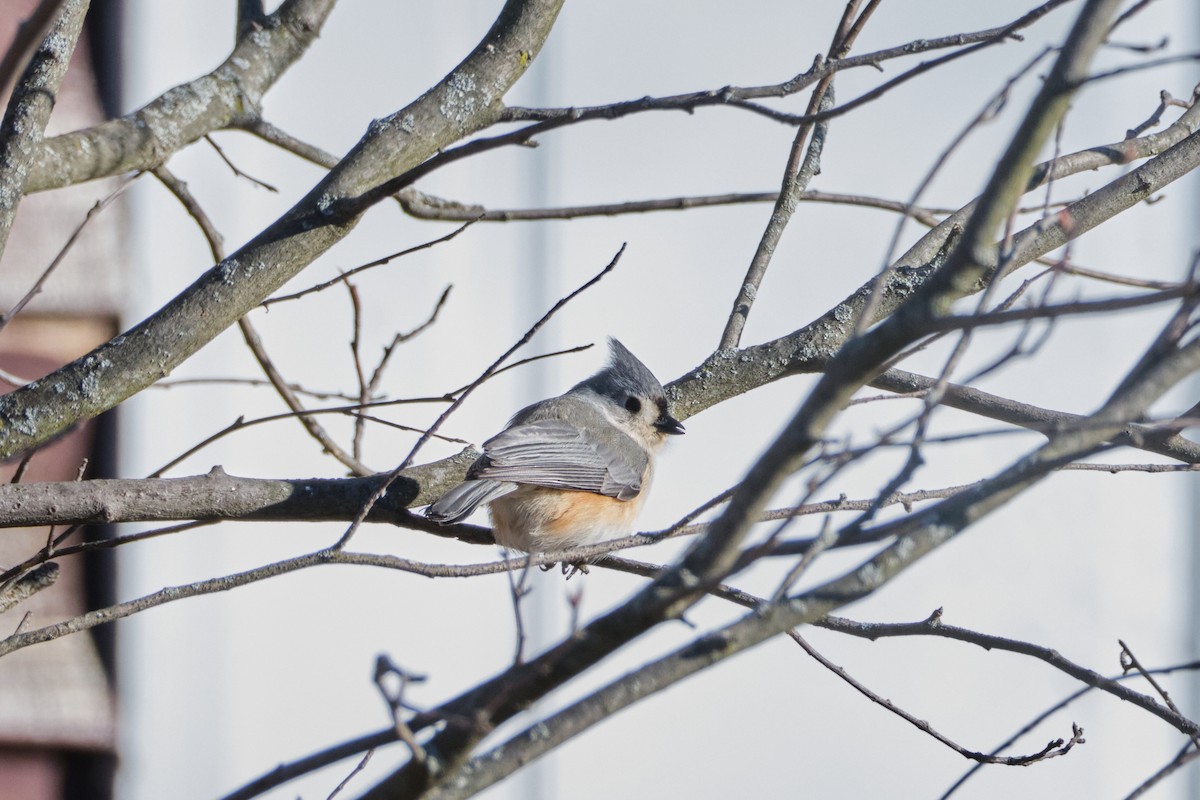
(668, 424)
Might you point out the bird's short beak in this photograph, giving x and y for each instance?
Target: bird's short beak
(668, 424)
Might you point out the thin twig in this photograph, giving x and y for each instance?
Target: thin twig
(270, 301)
(364, 394)
(306, 419)
(579, 348)
(1130, 662)
(953, 322)
(1115, 468)
(1054, 748)
(384, 667)
(424, 206)
(285, 141)
(1049, 712)
(44, 555)
(1108, 277)
(170, 594)
(13, 380)
(518, 589)
(1165, 101)
(1184, 758)
(233, 167)
(316, 394)
(739, 96)
(1153, 63)
(402, 337)
(402, 427)
(1128, 13)
(36, 289)
(22, 466)
(179, 188)
(933, 626)
(241, 422)
(359, 767)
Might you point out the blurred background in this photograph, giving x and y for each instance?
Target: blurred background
(214, 691)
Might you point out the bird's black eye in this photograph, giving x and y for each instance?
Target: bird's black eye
(633, 405)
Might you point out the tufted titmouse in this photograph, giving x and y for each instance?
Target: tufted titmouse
(573, 469)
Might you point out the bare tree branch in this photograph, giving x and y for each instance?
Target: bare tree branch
(423, 206)
(32, 99)
(742, 96)
(933, 626)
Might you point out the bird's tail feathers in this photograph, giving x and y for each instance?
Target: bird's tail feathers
(459, 502)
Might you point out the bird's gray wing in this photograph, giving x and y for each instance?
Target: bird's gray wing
(555, 453)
